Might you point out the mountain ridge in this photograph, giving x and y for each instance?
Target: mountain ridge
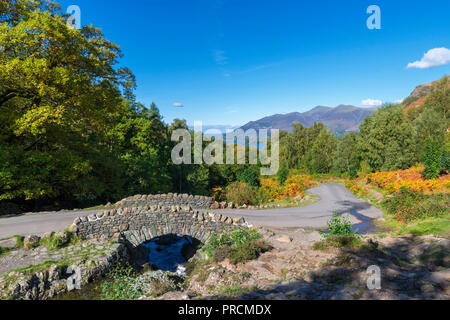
(339, 119)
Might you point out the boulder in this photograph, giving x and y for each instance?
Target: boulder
(223, 205)
(73, 228)
(215, 205)
(284, 239)
(10, 243)
(31, 242)
(47, 235)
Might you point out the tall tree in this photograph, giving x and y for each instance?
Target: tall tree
(321, 155)
(387, 139)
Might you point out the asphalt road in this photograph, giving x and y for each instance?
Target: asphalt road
(39, 223)
(334, 198)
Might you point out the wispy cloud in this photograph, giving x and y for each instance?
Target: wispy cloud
(219, 57)
(177, 105)
(433, 58)
(232, 110)
(371, 103)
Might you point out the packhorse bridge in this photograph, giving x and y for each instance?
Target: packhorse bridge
(141, 218)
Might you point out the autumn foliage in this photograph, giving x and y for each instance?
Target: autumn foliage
(411, 179)
(294, 186)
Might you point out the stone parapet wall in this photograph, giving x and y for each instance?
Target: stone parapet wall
(140, 224)
(170, 199)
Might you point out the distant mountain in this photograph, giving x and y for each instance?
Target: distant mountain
(343, 118)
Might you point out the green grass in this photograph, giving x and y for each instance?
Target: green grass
(232, 290)
(439, 227)
(5, 251)
(338, 241)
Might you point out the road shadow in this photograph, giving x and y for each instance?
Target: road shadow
(410, 269)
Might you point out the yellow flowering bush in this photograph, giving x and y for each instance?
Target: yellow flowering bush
(411, 179)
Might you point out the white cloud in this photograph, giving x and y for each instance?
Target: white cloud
(178, 105)
(399, 100)
(219, 57)
(371, 103)
(232, 110)
(433, 58)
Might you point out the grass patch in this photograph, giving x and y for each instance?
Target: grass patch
(120, 284)
(338, 241)
(439, 227)
(234, 289)
(237, 246)
(19, 244)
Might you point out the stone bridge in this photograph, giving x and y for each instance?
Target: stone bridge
(170, 199)
(139, 224)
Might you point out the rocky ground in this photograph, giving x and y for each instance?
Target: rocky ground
(411, 268)
(41, 272)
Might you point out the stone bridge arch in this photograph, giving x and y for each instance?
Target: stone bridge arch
(139, 224)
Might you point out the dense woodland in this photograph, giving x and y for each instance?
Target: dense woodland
(72, 132)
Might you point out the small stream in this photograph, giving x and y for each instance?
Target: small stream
(168, 255)
(366, 226)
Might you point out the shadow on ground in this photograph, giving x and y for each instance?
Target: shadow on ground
(411, 268)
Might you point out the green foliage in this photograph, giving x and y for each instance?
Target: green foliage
(248, 251)
(387, 139)
(432, 159)
(70, 128)
(337, 241)
(59, 240)
(321, 155)
(230, 240)
(250, 176)
(346, 158)
(409, 205)
(339, 226)
(283, 173)
(241, 193)
(295, 146)
(120, 284)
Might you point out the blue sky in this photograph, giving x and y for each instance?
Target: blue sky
(233, 61)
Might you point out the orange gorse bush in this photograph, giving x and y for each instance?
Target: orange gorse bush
(412, 179)
(355, 188)
(294, 186)
(271, 187)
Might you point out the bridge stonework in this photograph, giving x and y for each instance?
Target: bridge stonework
(170, 199)
(142, 223)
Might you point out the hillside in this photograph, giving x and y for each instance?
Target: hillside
(419, 95)
(340, 119)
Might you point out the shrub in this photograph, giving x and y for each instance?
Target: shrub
(337, 241)
(241, 193)
(248, 251)
(283, 173)
(339, 226)
(355, 188)
(224, 245)
(432, 160)
(412, 179)
(218, 194)
(271, 187)
(408, 205)
(119, 284)
(249, 176)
